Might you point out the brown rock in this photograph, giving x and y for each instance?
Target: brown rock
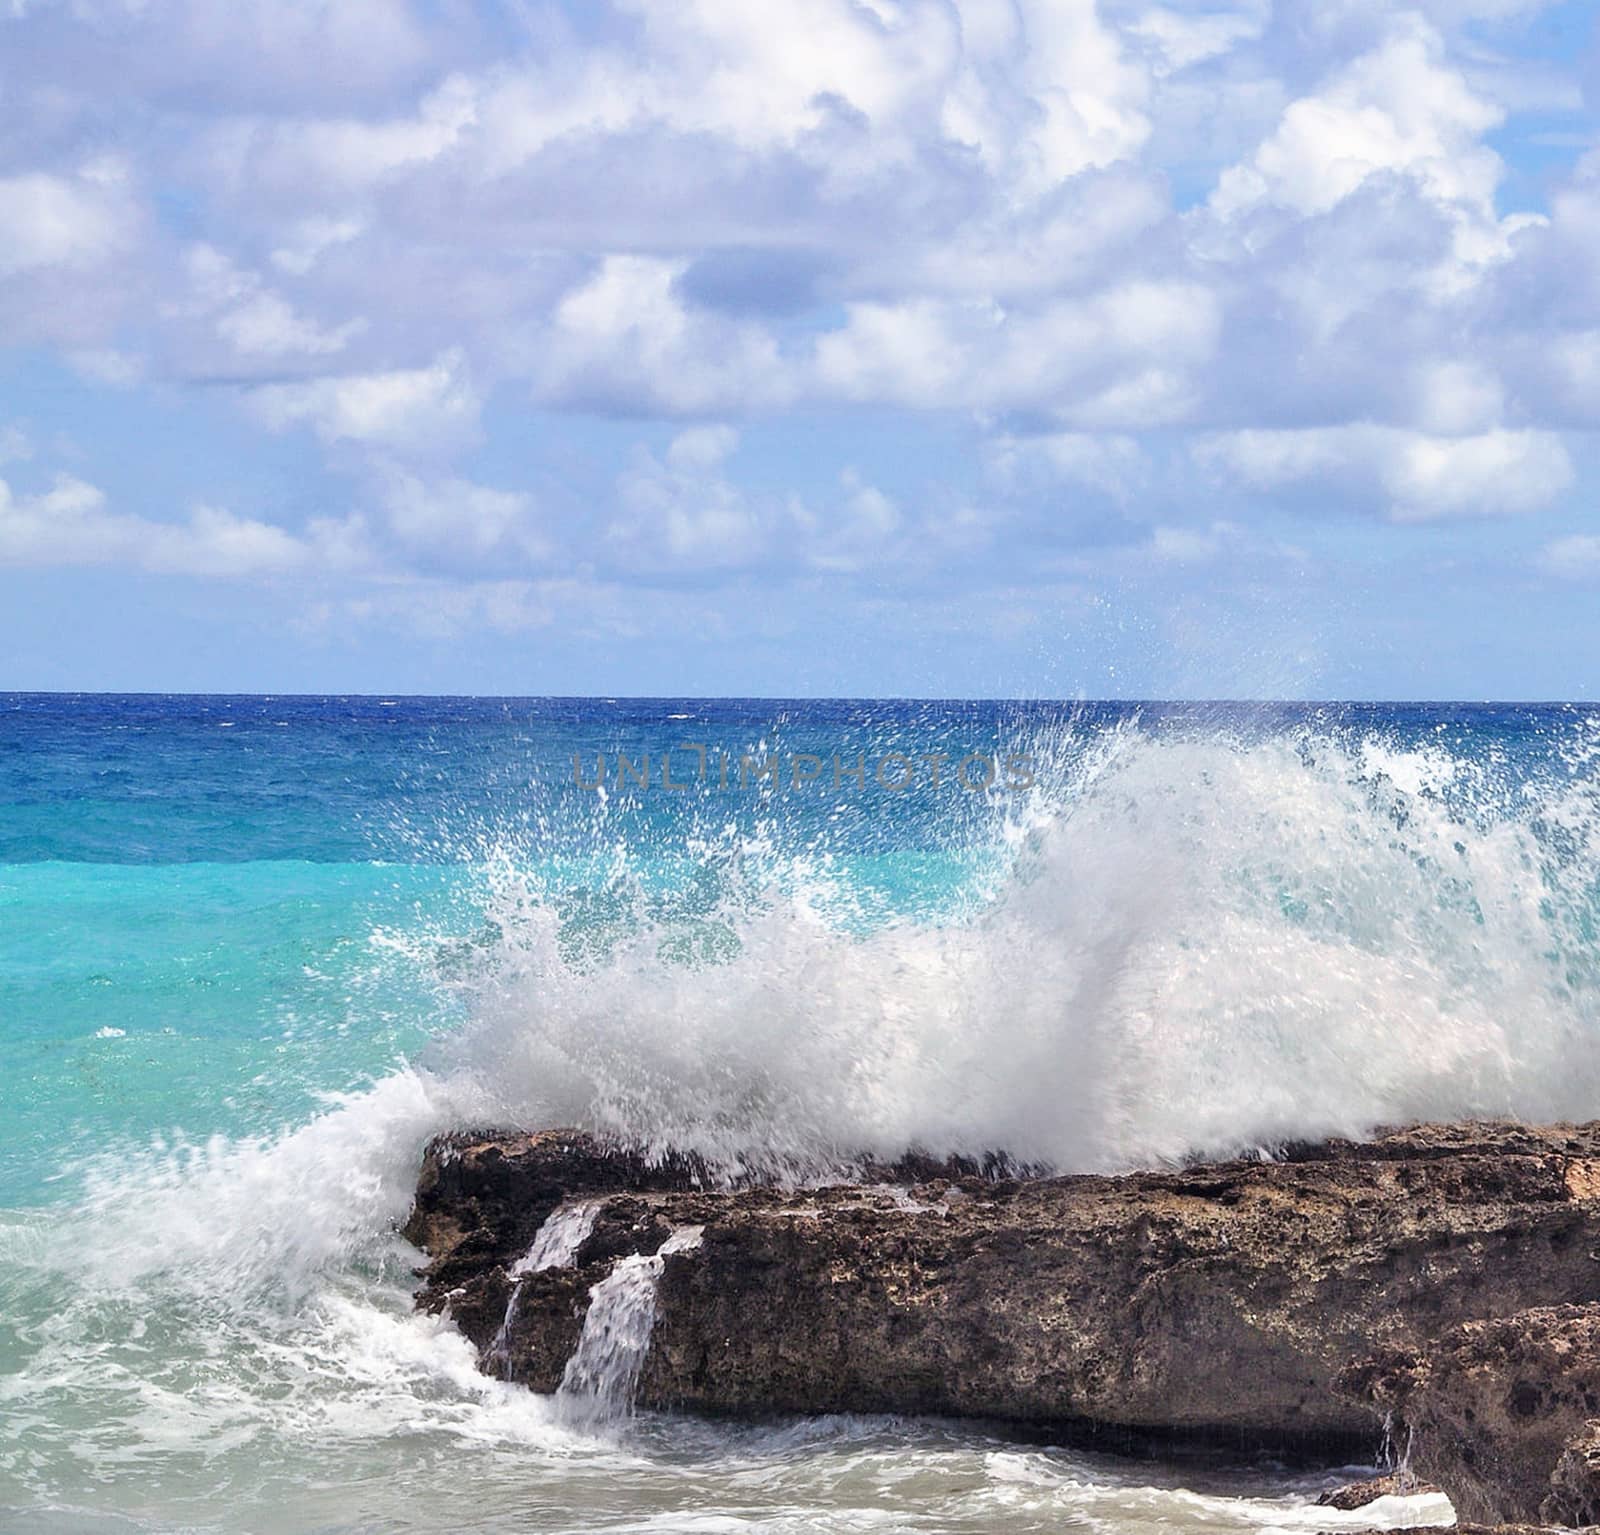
(1500, 1412)
(1355, 1495)
(1216, 1301)
(482, 1196)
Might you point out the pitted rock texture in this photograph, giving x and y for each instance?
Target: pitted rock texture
(1504, 1413)
(1214, 1301)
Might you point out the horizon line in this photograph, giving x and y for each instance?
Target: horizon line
(797, 698)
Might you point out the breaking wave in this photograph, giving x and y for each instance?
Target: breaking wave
(1186, 942)
(1191, 942)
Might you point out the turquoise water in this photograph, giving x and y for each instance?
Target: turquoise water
(212, 997)
(211, 906)
(254, 951)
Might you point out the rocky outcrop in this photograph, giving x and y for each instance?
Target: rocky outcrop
(1504, 1414)
(1217, 1301)
(1354, 1495)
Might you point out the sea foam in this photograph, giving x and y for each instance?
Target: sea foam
(1190, 946)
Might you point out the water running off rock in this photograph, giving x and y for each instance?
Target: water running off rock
(556, 1245)
(601, 1375)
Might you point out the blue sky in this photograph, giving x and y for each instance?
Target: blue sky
(951, 347)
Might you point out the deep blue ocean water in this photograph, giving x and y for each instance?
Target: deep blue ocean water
(254, 950)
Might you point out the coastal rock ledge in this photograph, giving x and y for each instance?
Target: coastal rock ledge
(1216, 1302)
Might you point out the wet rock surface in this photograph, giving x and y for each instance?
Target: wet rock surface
(1217, 1301)
(1474, 1529)
(1354, 1495)
(1503, 1413)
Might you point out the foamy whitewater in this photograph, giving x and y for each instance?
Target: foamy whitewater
(246, 972)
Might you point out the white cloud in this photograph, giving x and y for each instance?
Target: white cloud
(455, 522)
(58, 526)
(1567, 369)
(1080, 236)
(1411, 476)
(683, 512)
(701, 448)
(1120, 357)
(1111, 463)
(1039, 89)
(255, 321)
(1404, 110)
(625, 335)
(427, 530)
(862, 528)
(1398, 108)
(107, 365)
(60, 221)
(403, 411)
(70, 524)
(216, 543)
(1489, 474)
(310, 239)
(1089, 96)
(266, 325)
(1192, 546)
(354, 153)
(916, 352)
(1093, 227)
(1181, 40)
(14, 444)
(1457, 395)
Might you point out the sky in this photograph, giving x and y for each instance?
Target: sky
(801, 347)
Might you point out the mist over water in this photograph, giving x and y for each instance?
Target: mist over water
(1202, 931)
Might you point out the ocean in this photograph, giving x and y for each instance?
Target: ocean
(254, 951)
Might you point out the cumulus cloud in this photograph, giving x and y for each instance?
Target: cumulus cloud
(1179, 40)
(861, 528)
(1099, 239)
(460, 532)
(71, 524)
(1109, 462)
(253, 320)
(624, 336)
(682, 512)
(79, 221)
(1401, 115)
(405, 410)
(1122, 357)
(456, 524)
(1399, 108)
(1410, 476)
(354, 154)
(1193, 546)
